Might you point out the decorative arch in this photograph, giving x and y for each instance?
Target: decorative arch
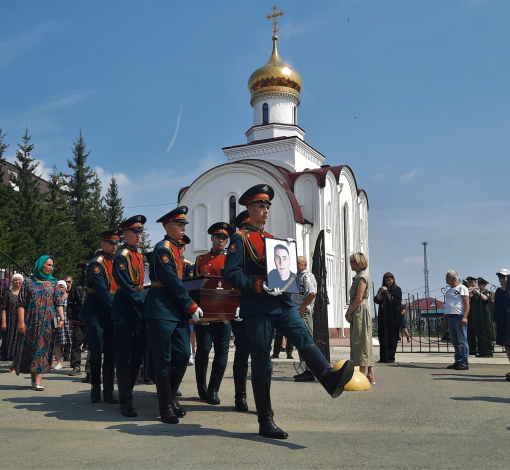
(200, 226)
(265, 113)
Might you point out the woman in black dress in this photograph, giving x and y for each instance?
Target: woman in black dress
(389, 317)
(8, 306)
(501, 317)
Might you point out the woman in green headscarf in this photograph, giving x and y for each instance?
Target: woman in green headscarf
(39, 302)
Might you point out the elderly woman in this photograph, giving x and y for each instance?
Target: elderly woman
(9, 307)
(501, 317)
(360, 318)
(389, 320)
(39, 302)
(64, 335)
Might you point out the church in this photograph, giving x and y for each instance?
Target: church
(310, 195)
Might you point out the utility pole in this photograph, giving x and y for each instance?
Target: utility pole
(425, 269)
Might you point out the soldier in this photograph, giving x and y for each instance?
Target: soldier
(129, 328)
(97, 314)
(241, 341)
(263, 310)
(187, 266)
(470, 283)
(211, 264)
(168, 311)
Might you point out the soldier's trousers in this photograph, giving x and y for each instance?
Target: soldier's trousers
(170, 345)
(260, 332)
(242, 343)
(78, 340)
(480, 333)
(99, 341)
(217, 333)
(129, 344)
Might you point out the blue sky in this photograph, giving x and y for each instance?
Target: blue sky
(412, 95)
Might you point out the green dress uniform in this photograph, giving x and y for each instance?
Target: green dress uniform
(245, 269)
(217, 333)
(480, 333)
(167, 311)
(129, 327)
(97, 314)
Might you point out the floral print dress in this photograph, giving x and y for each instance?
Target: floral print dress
(40, 299)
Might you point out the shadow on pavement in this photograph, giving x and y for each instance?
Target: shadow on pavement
(187, 430)
(505, 401)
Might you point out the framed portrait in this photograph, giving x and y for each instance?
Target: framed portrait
(281, 265)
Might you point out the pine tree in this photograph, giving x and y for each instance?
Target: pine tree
(61, 239)
(114, 210)
(145, 244)
(26, 224)
(7, 200)
(84, 193)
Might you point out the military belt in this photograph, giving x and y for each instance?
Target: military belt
(93, 291)
(137, 288)
(157, 284)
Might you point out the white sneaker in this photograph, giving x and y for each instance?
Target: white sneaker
(191, 360)
(58, 367)
(39, 388)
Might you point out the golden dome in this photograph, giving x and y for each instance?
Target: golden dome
(275, 76)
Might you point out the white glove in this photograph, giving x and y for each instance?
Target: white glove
(237, 317)
(197, 315)
(226, 321)
(289, 240)
(276, 292)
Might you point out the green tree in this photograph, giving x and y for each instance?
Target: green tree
(145, 244)
(84, 194)
(114, 210)
(7, 200)
(61, 239)
(26, 224)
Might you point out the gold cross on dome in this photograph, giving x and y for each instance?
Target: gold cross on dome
(274, 16)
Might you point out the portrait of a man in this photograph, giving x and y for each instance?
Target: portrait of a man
(282, 276)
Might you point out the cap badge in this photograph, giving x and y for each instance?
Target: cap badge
(265, 188)
(139, 218)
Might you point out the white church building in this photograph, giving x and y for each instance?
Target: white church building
(310, 195)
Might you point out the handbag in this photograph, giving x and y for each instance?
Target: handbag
(56, 323)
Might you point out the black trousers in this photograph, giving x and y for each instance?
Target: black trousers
(79, 338)
(100, 341)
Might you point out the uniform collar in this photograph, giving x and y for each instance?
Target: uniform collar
(105, 255)
(252, 228)
(216, 253)
(130, 248)
(173, 241)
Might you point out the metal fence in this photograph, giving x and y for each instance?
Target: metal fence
(425, 334)
(8, 267)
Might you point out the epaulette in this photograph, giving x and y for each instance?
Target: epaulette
(239, 232)
(100, 258)
(224, 252)
(187, 261)
(125, 251)
(167, 244)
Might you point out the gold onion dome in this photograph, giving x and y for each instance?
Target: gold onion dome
(275, 76)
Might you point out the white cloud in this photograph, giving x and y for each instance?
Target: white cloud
(41, 170)
(105, 177)
(174, 138)
(378, 176)
(413, 173)
(16, 46)
(413, 260)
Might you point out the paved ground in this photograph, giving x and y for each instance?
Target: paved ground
(418, 415)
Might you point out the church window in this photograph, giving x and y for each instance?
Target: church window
(265, 113)
(232, 209)
(345, 229)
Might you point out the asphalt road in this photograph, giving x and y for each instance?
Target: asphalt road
(418, 416)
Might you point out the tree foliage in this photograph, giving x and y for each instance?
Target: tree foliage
(114, 210)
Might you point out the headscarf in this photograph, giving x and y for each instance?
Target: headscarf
(17, 276)
(62, 283)
(38, 274)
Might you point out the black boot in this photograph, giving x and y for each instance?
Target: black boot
(217, 372)
(175, 381)
(267, 428)
(125, 393)
(333, 381)
(240, 378)
(95, 394)
(201, 376)
(86, 379)
(165, 399)
(108, 377)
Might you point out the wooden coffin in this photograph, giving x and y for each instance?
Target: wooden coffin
(214, 296)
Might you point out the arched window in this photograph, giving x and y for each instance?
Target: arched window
(232, 209)
(345, 223)
(265, 113)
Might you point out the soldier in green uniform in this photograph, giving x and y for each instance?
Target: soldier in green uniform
(129, 328)
(480, 316)
(263, 310)
(97, 314)
(168, 310)
(187, 265)
(474, 314)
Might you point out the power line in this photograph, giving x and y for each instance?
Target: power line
(412, 290)
(151, 205)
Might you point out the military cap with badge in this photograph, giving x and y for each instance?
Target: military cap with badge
(176, 215)
(258, 193)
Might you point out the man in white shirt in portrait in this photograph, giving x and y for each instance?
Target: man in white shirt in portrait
(456, 311)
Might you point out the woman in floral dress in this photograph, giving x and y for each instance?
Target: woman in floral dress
(39, 302)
